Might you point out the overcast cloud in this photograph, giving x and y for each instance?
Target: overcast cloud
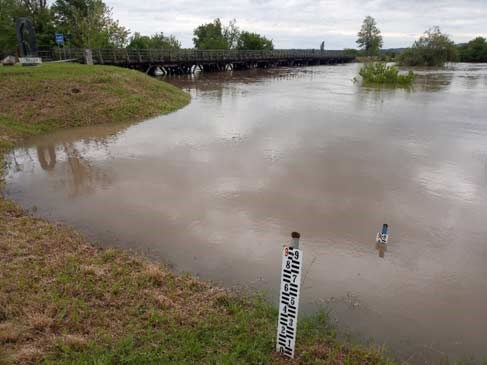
(305, 23)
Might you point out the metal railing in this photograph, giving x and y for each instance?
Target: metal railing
(128, 55)
(168, 56)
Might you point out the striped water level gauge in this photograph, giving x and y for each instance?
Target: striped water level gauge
(292, 259)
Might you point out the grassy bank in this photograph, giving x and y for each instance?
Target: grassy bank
(41, 99)
(64, 300)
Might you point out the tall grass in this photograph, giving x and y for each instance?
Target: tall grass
(380, 73)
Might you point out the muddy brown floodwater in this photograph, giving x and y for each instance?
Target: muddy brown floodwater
(216, 188)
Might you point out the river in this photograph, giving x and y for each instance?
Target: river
(216, 188)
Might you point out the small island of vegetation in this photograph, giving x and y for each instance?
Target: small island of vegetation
(380, 73)
(432, 49)
(370, 41)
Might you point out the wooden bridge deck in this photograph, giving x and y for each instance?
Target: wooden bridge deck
(187, 60)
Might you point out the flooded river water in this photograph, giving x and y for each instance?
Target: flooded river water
(216, 188)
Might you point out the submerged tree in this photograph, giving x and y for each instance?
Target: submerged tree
(432, 49)
(381, 73)
(369, 37)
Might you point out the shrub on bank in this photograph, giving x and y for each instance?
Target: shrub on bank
(380, 73)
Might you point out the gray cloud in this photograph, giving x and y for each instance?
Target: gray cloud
(305, 23)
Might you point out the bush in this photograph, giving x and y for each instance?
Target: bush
(474, 51)
(432, 49)
(387, 56)
(352, 52)
(380, 73)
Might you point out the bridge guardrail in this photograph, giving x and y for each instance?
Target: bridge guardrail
(147, 56)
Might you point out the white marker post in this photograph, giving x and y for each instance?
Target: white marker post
(292, 259)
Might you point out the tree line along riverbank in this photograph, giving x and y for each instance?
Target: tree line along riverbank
(65, 300)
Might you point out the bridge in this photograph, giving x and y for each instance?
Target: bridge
(186, 61)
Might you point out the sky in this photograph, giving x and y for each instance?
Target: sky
(306, 23)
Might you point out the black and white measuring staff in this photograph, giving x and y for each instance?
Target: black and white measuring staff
(292, 260)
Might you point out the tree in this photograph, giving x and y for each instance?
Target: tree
(474, 51)
(10, 10)
(210, 36)
(369, 37)
(138, 41)
(352, 52)
(90, 23)
(231, 33)
(159, 40)
(156, 41)
(432, 49)
(113, 34)
(254, 41)
(37, 11)
(42, 19)
(216, 36)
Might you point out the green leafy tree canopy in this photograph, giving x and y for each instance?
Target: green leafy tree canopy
(156, 41)
(42, 18)
(474, 51)
(432, 49)
(254, 41)
(90, 23)
(231, 34)
(10, 10)
(216, 36)
(210, 36)
(369, 37)
(37, 11)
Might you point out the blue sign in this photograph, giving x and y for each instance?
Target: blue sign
(59, 38)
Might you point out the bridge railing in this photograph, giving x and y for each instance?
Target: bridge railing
(49, 54)
(177, 56)
(127, 55)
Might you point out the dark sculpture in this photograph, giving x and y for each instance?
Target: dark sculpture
(27, 47)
